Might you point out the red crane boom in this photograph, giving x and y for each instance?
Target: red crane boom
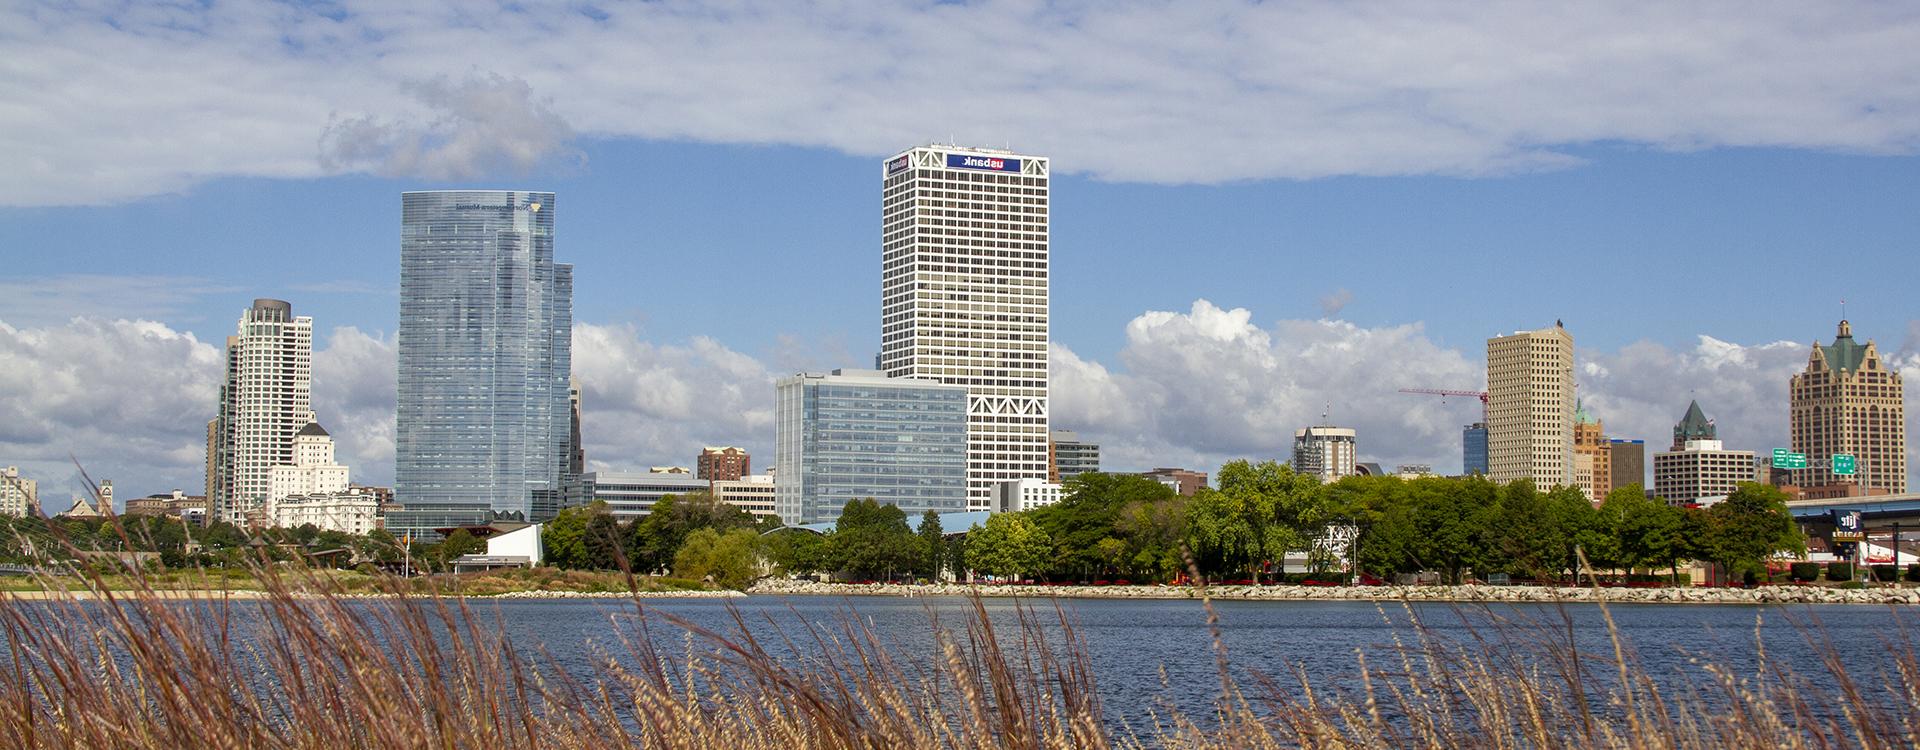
(1482, 395)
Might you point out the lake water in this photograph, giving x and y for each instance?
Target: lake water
(1152, 653)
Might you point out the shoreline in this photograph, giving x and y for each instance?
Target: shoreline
(1782, 594)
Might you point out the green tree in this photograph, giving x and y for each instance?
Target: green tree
(931, 549)
(1088, 511)
(872, 540)
(1750, 526)
(730, 560)
(1218, 532)
(601, 544)
(1008, 545)
(565, 537)
(654, 540)
(460, 542)
(797, 551)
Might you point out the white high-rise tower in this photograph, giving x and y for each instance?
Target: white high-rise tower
(964, 297)
(265, 400)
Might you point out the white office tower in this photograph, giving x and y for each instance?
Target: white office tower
(1325, 452)
(1530, 405)
(266, 399)
(964, 297)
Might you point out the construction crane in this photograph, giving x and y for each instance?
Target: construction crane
(1482, 395)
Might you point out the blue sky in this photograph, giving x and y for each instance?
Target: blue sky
(746, 244)
(1262, 211)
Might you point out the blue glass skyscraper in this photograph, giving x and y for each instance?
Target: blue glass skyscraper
(485, 351)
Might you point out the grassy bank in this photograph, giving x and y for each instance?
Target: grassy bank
(315, 668)
(352, 582)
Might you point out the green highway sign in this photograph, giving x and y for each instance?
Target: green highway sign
(1843, 464)
(1785, 459)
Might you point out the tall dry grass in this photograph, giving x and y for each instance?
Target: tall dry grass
(309, 666)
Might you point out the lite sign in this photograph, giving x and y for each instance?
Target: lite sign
(1846, 526)
(897, 165)
(988, 163)
(1785, 459)
(1843, 464)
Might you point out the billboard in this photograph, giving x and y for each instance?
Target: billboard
(989, 163)
(898, 165)
(1846, 526)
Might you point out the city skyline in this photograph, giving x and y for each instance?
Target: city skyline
(1225, 266)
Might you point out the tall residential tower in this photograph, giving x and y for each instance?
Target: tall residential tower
(964, 248)
(1530, 399)
(1849, 402)
(266, 397)
(485, 354)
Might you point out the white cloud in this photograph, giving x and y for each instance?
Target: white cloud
(127, 400)
(1206, 386)
(144, 99)
(646, 404)
(130, 399)
(354, 384)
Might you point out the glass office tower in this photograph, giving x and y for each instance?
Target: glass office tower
(486, 332)
(855, 434)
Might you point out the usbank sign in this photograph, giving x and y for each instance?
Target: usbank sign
(989, 163)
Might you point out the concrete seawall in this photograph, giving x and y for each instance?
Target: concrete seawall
(1761, 595)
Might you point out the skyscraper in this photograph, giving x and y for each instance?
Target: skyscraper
(1325, 452)
(1592, 458)
(854, 434)
(1530, 396)
(266, 397)
(964, 289)
(1848, 402)
(576, 451)
(1473, 449)
(485, 356)
(1694, 425)
(1629, 462)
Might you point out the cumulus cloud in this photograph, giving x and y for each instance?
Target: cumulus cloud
(354, 385)
(130, 399)
(157, 98)
(645, 404)
(1208, 385)
(485, 124)
(125, 399)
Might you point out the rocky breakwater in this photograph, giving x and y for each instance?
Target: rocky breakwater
(724, 594)
(1470, 593)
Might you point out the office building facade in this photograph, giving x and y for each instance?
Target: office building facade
(855, 434)
(1015, 495)
(485, 360)
(1473, 449)
(964, 292)
(1181, 481)
(1702, 472)
(1627, 462)
(19, 496)
(1325, 452)
(753, 493)
(723, 464)
(1530, 400)
(265, 399)
(629, 494)
(1592, 459)
(1071, 456)
(1849, 402)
